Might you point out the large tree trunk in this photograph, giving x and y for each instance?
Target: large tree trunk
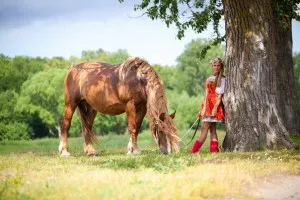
(252, 98)
(284, 70)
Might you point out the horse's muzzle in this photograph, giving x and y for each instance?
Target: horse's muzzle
(165, 150)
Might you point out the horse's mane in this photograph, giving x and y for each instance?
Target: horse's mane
(156, 99)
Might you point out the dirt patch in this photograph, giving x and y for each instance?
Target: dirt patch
(279, 187)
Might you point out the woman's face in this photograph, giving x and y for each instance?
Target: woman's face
(217, 67)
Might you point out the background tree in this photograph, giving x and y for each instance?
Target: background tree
(193, 71)
(12, 126)
(259, 110)
(57, 62)
(167, 74)
(100, 55)
(13, 72)
(186, 108)
(43, 95)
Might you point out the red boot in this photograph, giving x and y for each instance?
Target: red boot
(196, 147)
(214, 146)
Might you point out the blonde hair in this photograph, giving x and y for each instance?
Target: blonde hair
(220, 75)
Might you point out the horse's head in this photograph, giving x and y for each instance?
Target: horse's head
(165, 133)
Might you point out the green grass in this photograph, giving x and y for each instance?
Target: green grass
(34, 170)
(296, 141)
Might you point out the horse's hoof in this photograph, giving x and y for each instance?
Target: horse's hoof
(89, 150)
(92, 154)
(133, 153)
(65, 154)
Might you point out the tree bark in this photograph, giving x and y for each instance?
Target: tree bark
(285, 71)
(58, 128)
(254, 114)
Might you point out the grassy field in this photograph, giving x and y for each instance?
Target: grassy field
(33, 170)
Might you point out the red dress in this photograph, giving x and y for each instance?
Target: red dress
(210, 99)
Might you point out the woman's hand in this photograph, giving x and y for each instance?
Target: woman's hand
(214, 112)
(199, 115)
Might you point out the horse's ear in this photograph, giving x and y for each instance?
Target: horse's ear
(173, 114)
(162, 116)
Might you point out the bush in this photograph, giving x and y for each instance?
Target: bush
(186, 108)
(14, 131)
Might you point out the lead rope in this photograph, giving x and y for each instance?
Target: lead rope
(181, 139)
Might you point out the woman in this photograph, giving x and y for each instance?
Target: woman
(212, 109)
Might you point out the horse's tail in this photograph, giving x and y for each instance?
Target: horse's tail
(84, 110)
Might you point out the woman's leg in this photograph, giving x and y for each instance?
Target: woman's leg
(213, 132)
(214, 144)
(204, 130)
(203, 134)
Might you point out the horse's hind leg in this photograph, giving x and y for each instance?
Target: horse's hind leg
(135, 116)
(87, 115)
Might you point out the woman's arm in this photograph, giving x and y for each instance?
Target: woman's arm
(214, 110)
(220, 92)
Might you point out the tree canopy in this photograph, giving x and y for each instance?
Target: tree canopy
(43, 94)
(198, 14)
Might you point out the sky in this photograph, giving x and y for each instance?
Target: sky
(67, 27)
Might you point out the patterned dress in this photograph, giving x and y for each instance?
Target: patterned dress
(210, 99)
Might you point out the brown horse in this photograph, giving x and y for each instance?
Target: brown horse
(132, 87)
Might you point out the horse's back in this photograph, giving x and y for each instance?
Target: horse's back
(100, 85)
(86, 70)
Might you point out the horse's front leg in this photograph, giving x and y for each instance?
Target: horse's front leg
(135, 116)
(63, 146)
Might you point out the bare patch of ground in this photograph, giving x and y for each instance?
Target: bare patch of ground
(279, 187)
